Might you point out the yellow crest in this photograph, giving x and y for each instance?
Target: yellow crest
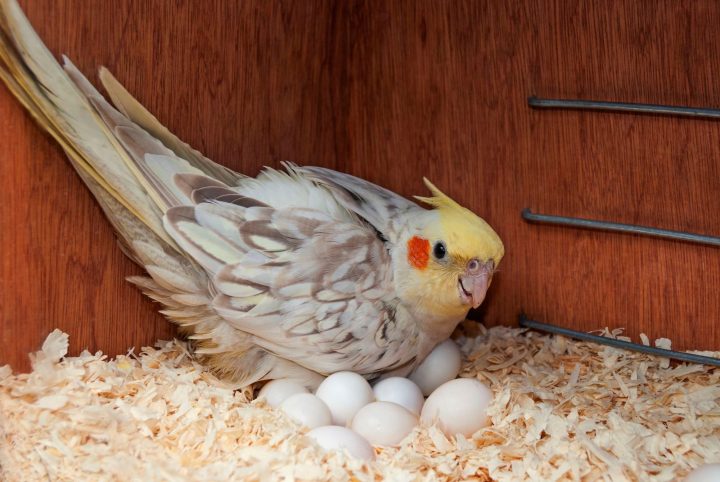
(439, 199)
(467, 234)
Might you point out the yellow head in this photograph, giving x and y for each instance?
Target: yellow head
(447, 259)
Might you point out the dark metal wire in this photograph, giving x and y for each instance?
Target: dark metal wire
(625, 345)
(529, 216)
(624, 107)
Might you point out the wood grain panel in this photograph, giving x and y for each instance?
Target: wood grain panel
(392, 91)
(442, 91)
(656, 171)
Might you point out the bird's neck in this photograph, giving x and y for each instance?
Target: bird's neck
(433, 327)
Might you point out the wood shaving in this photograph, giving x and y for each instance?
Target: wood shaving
(563, 410)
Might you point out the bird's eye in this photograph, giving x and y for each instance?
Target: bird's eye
(439, 250)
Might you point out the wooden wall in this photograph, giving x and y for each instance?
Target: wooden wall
(391, 91)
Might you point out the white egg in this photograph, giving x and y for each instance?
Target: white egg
(344, 393)
(458, 406)
(704, 473)
(441, 365)
(332, 437)
(307, 409)
(400, 390)
(276, 391)
(384, 423)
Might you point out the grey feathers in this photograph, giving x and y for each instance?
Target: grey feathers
(293, 278)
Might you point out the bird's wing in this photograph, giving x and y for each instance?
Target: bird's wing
(132, 175)
(378, 206)
(308, 287)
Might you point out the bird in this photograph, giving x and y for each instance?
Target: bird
(296, 273)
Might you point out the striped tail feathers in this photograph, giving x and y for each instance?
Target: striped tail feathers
(21, 83)
(153, 164)
(74, 113)
(61, 108)
(42, 86)
(124, 166)
(136, 112)
(58, 104)
(126, 160)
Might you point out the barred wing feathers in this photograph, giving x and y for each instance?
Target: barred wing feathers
(305, 285)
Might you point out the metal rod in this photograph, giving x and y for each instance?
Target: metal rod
(625, 345)
(529, 216)
(623, 107)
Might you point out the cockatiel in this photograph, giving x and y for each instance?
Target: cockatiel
(293, 274)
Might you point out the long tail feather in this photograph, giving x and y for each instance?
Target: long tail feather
(53, 99)
(137, 170)
(83, 123)
(135, 111)
(153, 164)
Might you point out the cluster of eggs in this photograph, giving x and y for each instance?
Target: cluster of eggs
(347, 413)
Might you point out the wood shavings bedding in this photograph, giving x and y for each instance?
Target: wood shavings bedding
(563, 410)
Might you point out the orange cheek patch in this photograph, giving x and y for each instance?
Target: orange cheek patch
(418, 252)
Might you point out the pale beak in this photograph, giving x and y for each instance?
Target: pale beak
(474, 283)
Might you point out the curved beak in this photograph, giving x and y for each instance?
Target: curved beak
(474, 283)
